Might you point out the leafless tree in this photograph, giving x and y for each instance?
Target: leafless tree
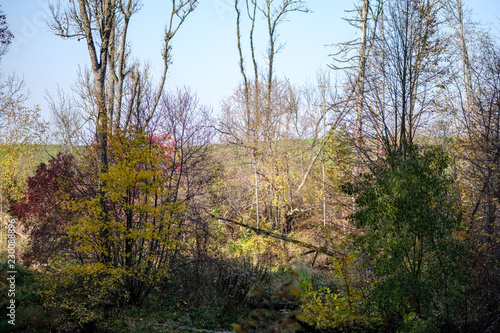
(190, 129)
(478, 162)
(407, 61)
(351, 57)
(259, 119)
(67, 119)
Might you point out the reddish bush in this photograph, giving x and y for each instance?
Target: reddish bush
(42, 211)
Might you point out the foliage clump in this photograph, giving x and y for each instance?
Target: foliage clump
(407, 218)
(103, 256)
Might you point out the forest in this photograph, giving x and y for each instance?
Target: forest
(365, 201)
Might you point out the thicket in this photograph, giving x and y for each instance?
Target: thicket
(404, 268)
(372, 208)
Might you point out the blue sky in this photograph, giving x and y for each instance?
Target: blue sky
(204, 51)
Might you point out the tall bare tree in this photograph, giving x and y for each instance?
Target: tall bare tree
(408, 61)
(261, 118)
(352, 56)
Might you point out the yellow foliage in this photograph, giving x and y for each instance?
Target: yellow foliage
(295, 292)
(323, 308)
(20, 129)
(237, 328)
(77, 289)
(344, 307)
(124, 247)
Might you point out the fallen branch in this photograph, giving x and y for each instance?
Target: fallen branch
(322, 250)
(191, 329)
(274, 306)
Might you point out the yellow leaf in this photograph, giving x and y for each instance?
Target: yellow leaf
(295, 292)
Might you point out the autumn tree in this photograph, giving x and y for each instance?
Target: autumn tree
(151, 182)
(142, 229)
(43, 213)
(104, 26)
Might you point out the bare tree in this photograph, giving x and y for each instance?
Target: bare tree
(245, 131)
(67, 119)
(457, 18)
(105, 28)
(407, 60)
(275, 12)
(260, 119)
(352, 56)
(189, 128)
(478, 164)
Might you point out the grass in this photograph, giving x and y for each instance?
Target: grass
(46, 152)
(30, 315)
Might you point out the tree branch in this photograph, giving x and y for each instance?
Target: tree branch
(259, 231)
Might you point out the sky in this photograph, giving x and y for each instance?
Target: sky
(205, 56)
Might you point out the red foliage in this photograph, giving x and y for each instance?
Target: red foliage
(41, 211)
(164, 142)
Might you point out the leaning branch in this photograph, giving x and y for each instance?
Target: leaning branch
(259, 231)
(333, 126)
(180, 11)
(190, 329)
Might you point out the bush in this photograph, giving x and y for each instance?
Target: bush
(209, 291)
(407, 217)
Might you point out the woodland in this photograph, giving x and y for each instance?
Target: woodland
(367, 201)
